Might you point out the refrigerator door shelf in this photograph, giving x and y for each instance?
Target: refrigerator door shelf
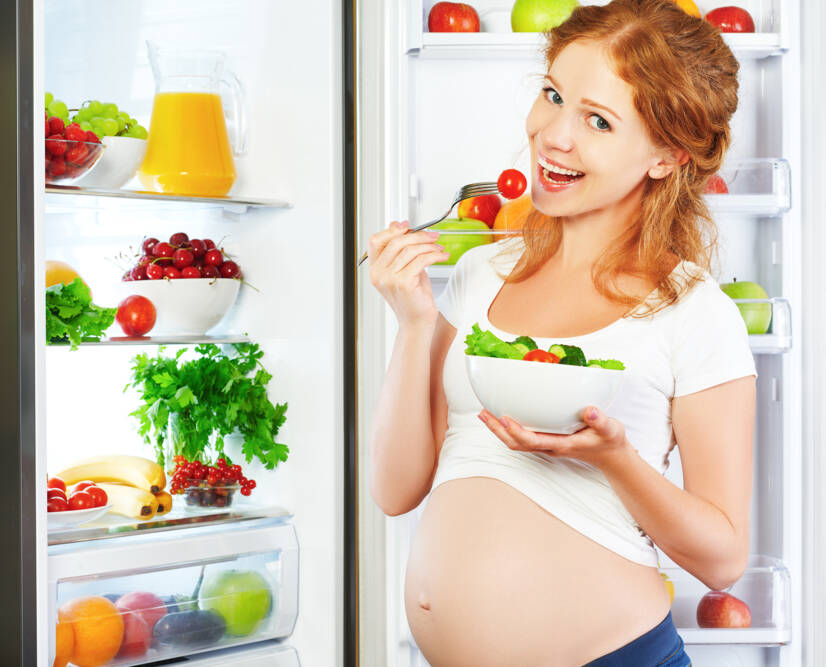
(764, 587)
(244, 578)
(113, 526)
(70, 199)
(264, 654)
(778, 338)
(756, 186)
(505, 45)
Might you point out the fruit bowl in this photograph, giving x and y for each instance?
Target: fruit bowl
(186, 306)
(199, 494)
(71, 518)
(118, 165)
(68, 161)
(548, 398)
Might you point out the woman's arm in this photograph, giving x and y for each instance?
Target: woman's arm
(703, 527)
(411, 419)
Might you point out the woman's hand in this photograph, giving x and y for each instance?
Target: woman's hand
(602, 439)
(397, 270)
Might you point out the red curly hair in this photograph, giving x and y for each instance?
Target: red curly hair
(684, 81)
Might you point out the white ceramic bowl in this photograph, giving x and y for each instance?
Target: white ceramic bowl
(542, 397)
(71, 518)
(186, 306)
(119, 163)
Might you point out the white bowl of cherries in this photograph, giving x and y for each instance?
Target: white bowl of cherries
(191, 283)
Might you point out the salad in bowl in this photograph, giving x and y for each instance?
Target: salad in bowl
(543, 390)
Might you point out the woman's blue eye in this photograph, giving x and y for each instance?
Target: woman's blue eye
(552, 95)
(601, 123)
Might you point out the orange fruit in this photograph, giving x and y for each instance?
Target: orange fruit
(64, 641)
(59, 272)
(513, 214)
(98, 630)
(689, 7)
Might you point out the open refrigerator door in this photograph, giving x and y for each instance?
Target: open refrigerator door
(182, 169)
(448, 108)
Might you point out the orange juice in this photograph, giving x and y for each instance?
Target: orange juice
(188, 148)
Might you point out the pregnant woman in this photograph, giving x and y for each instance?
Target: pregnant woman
(537, 550)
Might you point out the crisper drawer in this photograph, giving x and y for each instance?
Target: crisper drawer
(139, 599)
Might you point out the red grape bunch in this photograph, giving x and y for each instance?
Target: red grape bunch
(182, 257)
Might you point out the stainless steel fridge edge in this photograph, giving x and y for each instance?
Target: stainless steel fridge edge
(18, 479)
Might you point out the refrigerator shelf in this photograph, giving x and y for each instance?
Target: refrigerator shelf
(756, 186)
(113, 526)
(764, 587)
(161, 340)
(509, 45)
(70, 198)
(270, 653)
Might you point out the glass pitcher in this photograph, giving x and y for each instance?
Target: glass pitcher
(188, 150)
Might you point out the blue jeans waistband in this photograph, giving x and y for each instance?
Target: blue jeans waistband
(659, 646)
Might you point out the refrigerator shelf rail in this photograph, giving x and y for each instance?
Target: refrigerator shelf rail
(112, 526)
(160, 340)
(764, 587)
(510, 45)
(270, 653)
(70, 198)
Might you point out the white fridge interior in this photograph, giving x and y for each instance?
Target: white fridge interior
(289, 248)
(453, 107)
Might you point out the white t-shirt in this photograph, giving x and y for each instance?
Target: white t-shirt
(697, 343)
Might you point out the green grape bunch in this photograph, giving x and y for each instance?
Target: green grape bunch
(57, 108)
(106, 120)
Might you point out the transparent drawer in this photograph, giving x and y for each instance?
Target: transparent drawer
(132, 601)
(764, 588)
(758, 186)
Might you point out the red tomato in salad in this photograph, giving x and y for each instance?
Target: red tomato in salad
(55, 493)
(98, 495)
(541, 355)
(57, 505)
(56, 483)
(81, 486)
(511, 183)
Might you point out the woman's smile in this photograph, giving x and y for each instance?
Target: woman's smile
(554, 177)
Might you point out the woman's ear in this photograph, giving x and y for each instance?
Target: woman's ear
(668, 164)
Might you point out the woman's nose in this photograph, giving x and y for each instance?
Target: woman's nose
(556, 132)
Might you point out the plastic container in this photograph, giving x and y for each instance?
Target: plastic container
(72, 164)
(118, 165)
(199, 494)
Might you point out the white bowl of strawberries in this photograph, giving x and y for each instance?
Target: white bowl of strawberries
(191, 283)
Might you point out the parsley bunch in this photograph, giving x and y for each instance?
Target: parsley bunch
(196, 403)
(72, 317)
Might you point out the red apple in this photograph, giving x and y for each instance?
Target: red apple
(722, 610)
(452, 17)
(484, 208)
(716, 185)
(146, 605)
(137, 636)
(731, 19)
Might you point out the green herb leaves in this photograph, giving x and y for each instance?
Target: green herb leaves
(72, 317)
(189, 406)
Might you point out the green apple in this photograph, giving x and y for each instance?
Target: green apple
(757, 316)
(540, 15)
(458, 244)
(242, 598)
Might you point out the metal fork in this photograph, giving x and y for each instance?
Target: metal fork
(465, 192)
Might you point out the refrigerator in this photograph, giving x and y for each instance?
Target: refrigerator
(287, 220)
(439, 110)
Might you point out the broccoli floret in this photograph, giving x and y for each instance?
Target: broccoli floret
(526, 341)
(574, 356)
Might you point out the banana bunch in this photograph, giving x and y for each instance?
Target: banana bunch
(135, 485)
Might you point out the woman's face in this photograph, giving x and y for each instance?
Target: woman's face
(584, 121)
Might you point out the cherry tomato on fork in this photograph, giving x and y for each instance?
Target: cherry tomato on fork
(511, 183)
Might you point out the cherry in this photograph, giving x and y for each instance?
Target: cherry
(198, 247)
(154, 271)
(214, 257)
(147, 244)
(246, 491)
(179, 239)
(209, 244)
(163, 251)
(190, 272)
(138, 272)
(182, 258)
(228, 269)
(171, 272)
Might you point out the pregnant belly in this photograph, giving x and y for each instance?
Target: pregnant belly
(495, 580)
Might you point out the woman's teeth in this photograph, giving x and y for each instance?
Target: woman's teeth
(554, 173)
